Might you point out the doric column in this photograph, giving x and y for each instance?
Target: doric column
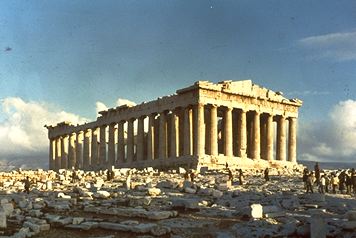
(58, 153)
(242, 136)
(292, 140)
(174, 149)
(94, 148)
(52, 154)
(140, 139)
(111, 146)
(213, 130)
(79, 150)
(120, 143)
(256, 146)
(199, 135)
(151, 137)
(281, 138)
(102, 149)
(269, 142)
(228, 131)
(162, 139)
(86, 149)
(71, 151)
(187, 150)
(130, 140)
(64, 148)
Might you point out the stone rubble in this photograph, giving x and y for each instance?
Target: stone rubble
(164, 204)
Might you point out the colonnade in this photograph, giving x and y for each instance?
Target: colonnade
(195, 130)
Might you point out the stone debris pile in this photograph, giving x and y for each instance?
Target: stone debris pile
(151, 203)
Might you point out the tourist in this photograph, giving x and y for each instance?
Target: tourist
(322, 184)
(266, 174)
(230, 175)
(317, 172)
(310, 182)
(108, 175)
(226, 165)
(334, 182)
(27, 185)
(305, 177)
(192, 176)
(348, 182)
(186, 175)
(342, 178)
(128, 180)
(327, 183)
(240, 177)
(74, 177)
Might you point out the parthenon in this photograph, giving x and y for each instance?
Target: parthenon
(206, 124)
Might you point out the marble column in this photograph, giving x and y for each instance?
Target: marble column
(269, 142)
(120, 143)
(111, 146)
(151, 137)
(292, 140)
(187, 150)
(213, 130)
(130, 140)
(199, 128)
(256, 143)
(281, 138)
(58, 153)
(94, 148)
(86, 149)
(263, 136)
(64, 147)
(174, 137)
(102, 148)
(242, 136)
(79, 150)
(71, 151)
(52, 154)
(162, 139)
(140, 139)
(228, 131)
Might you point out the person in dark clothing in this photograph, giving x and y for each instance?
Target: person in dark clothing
(342, 178)
(240, 177)
(305, 177)
(327, 183)
(317, 173)
(310, 182)
(266, 174)
(348, 183)
(192, 176)
(108, 175)
(230, 175)
(27, 185)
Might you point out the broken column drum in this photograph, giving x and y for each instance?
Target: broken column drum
(206, 124)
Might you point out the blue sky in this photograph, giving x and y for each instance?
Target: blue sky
(72, 54)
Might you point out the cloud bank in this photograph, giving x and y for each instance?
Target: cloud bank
(339, 46)
(23, 137)
(331, 139)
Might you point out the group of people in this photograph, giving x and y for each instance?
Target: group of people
(343, 181)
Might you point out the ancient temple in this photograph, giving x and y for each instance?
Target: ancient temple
(203, 125)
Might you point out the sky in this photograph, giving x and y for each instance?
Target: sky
(64, 60)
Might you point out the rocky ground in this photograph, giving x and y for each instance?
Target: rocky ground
(164, 204)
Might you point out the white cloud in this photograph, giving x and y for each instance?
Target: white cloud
(122, 101)
(339, 46)
(333, 138)
(100, 107)
(22, 132)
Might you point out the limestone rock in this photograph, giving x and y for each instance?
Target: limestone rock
(3, 223)
(154, 191)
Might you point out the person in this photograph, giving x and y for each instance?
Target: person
(310, 182)
(353, 179)
(27, 185)
(74, 176)
(226, 165)
(327, 183)
(334, 182)
(186, 175)
(128, 181)
(192, 176)
(230, 175)
(348, 183)
(240, 177)
(317, 172)
(342, 181)
(266, 174)
(322, 184)
(108, 175)
(305, 177)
